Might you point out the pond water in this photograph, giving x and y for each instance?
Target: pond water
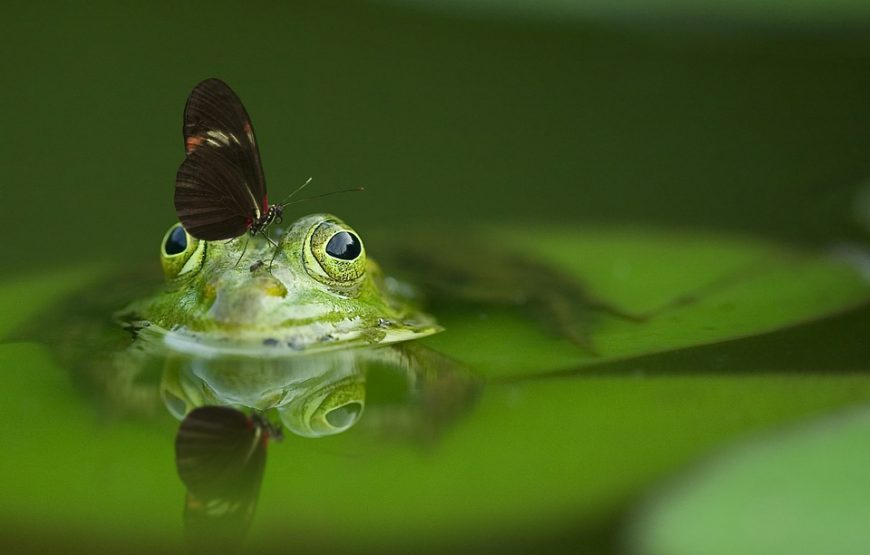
(644, 236)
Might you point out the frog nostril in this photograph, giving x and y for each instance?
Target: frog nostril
(272, 287)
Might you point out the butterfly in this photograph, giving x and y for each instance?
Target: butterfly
(220, 189)
(220, 455)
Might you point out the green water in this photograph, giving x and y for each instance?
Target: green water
(742, 126)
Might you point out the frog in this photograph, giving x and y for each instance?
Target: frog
(302, 320)
(318, 292)
(291, 331)
(292, 327)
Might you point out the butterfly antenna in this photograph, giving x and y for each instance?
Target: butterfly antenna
(353, 190)
(299, 188)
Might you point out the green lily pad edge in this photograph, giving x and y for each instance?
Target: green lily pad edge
(690, 289)
(802, 489)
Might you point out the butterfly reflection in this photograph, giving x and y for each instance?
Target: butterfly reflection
(220, 454)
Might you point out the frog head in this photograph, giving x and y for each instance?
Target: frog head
(312, 289)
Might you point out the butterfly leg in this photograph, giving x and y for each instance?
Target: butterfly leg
(274, 251)
(244, 249)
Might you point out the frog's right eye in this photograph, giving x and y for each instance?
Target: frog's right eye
(180, 252)
(326, 410)
(334, 255)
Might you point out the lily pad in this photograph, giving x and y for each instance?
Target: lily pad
(802, 490)
(691, 288)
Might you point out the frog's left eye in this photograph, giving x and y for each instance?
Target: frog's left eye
(335, 255)
(176, 241)
(180, 252)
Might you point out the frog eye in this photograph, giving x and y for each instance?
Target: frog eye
(180, 252)
(327, 410)
(335, 255)
(175, 242)
(344, 245)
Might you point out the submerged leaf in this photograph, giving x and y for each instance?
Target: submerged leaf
(686, 288)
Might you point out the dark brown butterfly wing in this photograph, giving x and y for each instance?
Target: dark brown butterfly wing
(220, 455)
(218, 449)
(212, 199)
(220, 188)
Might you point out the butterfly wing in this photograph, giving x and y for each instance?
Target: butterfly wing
(220, 455)
(220, 188)
(212, 198)
(219, 450)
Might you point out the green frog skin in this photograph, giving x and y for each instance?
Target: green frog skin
(315, 291)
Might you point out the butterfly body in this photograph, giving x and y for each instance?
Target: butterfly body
(274, 214)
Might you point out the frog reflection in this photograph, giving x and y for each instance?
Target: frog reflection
(313, 396)
(221, 453)
(324, 394)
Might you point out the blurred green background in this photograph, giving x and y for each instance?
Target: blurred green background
(749, 118)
